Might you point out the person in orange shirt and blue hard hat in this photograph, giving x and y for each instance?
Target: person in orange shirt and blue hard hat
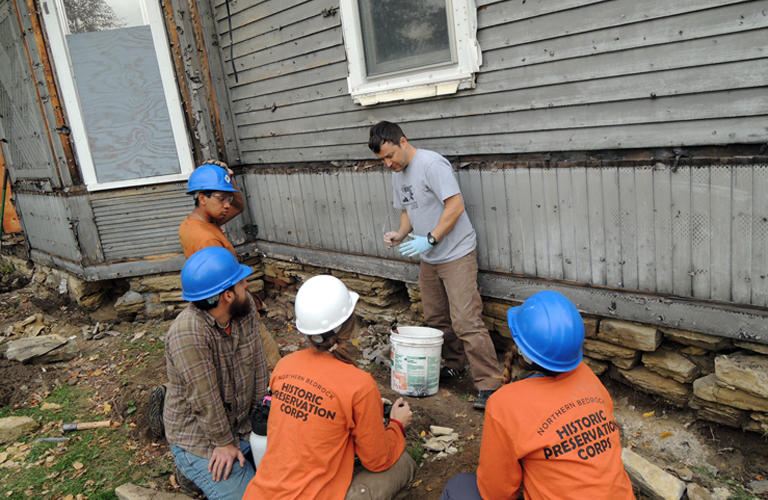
(217, 201)
(563, 442)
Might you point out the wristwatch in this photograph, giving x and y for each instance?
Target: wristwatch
(431, 239)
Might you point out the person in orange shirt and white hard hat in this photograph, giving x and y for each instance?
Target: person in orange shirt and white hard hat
(563, 442)
(325, 411)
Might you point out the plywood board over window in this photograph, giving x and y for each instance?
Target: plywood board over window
(113, 64)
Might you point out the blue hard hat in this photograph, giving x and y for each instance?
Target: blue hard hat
(548, 330)
(210, 271)
(209, 177)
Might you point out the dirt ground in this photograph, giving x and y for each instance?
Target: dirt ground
(708, 454)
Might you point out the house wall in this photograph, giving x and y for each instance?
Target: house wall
(106, 234)
(631, 233)
(556, 76)
(647, 228)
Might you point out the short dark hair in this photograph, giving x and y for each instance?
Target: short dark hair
(384, 132)
(211, 302)
(206, 193)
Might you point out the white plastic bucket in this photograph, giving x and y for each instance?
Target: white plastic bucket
(415, 356)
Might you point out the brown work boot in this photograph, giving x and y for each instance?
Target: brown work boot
(186, 484)
(155, 412)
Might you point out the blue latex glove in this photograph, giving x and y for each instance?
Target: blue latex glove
(416, 246)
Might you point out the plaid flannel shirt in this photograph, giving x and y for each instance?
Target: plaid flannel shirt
(214, 380)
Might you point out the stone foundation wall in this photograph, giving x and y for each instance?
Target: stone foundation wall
(159, 295)
(723, 380)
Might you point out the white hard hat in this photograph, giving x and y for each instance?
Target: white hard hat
(323, 303)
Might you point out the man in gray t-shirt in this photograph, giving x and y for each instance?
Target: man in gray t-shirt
(432, 214)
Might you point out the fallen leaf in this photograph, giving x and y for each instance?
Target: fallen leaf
(68, 497)
(422, 433)
(649, 414)
(665, 434)
(3, 457)
(428, 488)
(78, 465)
(107, 408)
(417, 482)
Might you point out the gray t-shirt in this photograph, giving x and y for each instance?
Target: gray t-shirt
(420, 190)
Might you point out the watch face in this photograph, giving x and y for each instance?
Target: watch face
(431, 239)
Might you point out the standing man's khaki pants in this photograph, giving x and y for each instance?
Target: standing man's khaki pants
(452, 304)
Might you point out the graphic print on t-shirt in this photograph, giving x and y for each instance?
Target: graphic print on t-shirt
(408, 199)
(301, 397)
(585, 430)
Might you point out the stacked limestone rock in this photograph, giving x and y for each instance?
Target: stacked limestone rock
(414, 295)
(736, 394)
(382, 301)
(87, 294)
(159, 295)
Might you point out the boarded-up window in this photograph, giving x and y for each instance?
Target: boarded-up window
(119, 90)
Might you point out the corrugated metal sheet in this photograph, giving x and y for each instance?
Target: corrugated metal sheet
(555, 76)
(698, 232)
(140, 222)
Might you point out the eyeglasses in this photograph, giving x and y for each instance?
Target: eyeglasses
(223, 197)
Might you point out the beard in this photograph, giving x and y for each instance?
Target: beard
(240, 308)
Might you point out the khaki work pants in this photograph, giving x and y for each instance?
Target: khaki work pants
(384, 485)
(452, 304)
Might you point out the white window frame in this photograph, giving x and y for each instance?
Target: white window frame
(421, 82)
(54, 17)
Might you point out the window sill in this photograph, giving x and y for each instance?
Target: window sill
(418, 92)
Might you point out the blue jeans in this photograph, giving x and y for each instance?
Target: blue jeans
(461, 487)
(195, 469)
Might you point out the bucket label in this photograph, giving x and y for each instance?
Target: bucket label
(415, 375)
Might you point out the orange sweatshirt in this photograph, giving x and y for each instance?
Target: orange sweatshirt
(556, 435)
(196, 234)
(324, 412)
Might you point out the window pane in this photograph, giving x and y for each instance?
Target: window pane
(404, 34)
(85, 16)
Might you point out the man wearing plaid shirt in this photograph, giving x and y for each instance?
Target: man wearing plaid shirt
(217, 374)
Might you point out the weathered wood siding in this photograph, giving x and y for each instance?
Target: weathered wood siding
(30, 146)
(698, 232)
(556, 76)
